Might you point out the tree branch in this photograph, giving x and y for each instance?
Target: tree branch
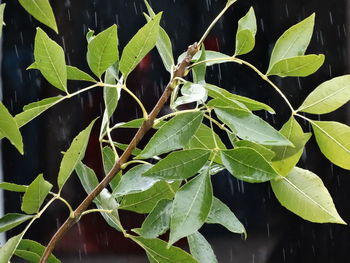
(180, 71)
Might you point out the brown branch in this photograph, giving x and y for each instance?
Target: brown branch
(180, 71)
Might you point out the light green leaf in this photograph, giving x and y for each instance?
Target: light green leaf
(109, 158)
(200, 70)
(173, 135)
(87, 177)
(203, 139)
(73, 155)
(163, 44)
(219, 93)
(49, 59)
(32, 251)
(328, 96)
(158, 251)
(201, 249)
(138, 47)
(179, 165)
(144, 202)
(73, 73)
(13, 187)
(34, 109)
(286, 156)
(263, 151)
(221, 214)
(300, 66)
(245, 37)
(103, 51)
(192, 204)
(250, 127)
(35, 195)
(303, 193)
(333, 139)
(12, 220)
(191, 93)
(134, 181)
(248, 165)
(157, 222)
(293, 41)
(9, 128)
(123, 147)
(214, 57)
(2, 8)
(40, 10)
(7, 250)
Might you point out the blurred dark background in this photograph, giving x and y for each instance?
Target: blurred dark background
(274, 234)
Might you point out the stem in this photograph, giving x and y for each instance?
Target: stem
(146, 126)
(221, 126)
(131, 162)
(96, 210)
(144, 112)
(58, 197)
(174, 114)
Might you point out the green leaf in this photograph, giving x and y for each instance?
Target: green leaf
(328, 96)
(286, 156)
(210, 55)
(2, 8)
(157, 222)
(300, 66)
(173, 135)
(245, 37)
(109, 158)
(73, 73)
(87, 177)
(192, 204)
(221, 214)
(7, 250)
(35, 195)
(179, 165)
(191, 93)
(219, 93)
(123, 146)
(201, 249)
(250, 127)
(163, 44)
(34, 109)
(263, 151)
(103, 51)
(293, 41)
(200, 70)
(158, 251)
(144, 202)
(333, 140)
(32, 251)
(12, 220)
(13, 187)
(204, 139)
(138, 47)
(303, 193)
(9, 128)
(73, 155)
(40, 10)
(248, 165)
(49, 59)
(133, 181)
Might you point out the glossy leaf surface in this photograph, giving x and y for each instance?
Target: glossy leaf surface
(32, 251)
(12, 220)
(73, 73)
(13, 187)
(303, 193)
(201, 249)
(245, 37)
(87, 177)
(7, 250)
(263, 151)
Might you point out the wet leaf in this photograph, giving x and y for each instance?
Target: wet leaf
(263, 151)
(109, 158)
(103, 51)
(40, 10)
(87, 177)
(73, 73)
(7, 250)
(138, 47)
(50, 60)
(11, 220)
(192, 204)
(73, 155)
(300, 66)
(173, 135)
(199, 71)
(35, 195)
(10, 129)
(191, 93)
(328, 96)
(245, 37)
(201, 249)
(210, 55)
(293, 41)
(333, 139)
(248, 165)
(32, 251)
(303, 193)
(13, 187)
(179, 165)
